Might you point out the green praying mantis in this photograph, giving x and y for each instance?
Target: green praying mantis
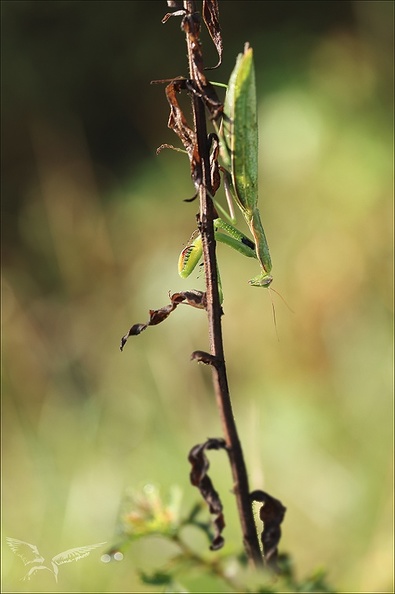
(238, 136)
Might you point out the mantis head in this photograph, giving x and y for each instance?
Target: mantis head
(262, 280)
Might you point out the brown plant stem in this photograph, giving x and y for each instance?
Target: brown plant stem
(214, 312)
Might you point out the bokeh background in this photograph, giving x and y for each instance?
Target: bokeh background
(93, 222)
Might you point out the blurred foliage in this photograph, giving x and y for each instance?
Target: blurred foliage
(93, 223)
(147, 514)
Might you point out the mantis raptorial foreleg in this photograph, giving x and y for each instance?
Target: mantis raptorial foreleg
(190, 255)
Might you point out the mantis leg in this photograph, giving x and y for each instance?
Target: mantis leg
(191, 254)
(262, 247)
(229, 235)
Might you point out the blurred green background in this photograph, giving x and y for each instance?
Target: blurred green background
(93, 222)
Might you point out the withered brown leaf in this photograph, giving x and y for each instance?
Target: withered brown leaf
(197, 299)
(200, 479)
(272, 514)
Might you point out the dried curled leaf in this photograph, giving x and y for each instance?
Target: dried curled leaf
(173, 4)
(178, 123)
(215, 176)
(193, 298)
(272, 514)
(196, 85)
(203, 357)
(200, 479)
(211, 19)
(190, 24)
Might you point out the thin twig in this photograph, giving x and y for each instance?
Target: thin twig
(214, 311)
